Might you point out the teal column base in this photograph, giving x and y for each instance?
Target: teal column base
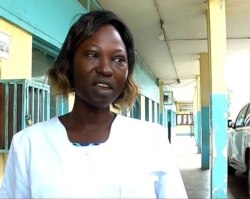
(205, 138)
(219, 108)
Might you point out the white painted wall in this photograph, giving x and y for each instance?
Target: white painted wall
(237, 76)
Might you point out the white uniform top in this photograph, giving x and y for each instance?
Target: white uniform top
(135, 162)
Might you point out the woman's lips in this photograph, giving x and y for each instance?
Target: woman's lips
(102, 85)
(103, 89)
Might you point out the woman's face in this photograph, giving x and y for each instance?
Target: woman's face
(100, 68)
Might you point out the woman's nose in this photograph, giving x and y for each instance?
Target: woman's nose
(105, 66)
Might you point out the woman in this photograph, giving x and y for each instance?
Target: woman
(91, 152)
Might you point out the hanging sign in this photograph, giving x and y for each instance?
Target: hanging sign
(168, 98)
(4, 45)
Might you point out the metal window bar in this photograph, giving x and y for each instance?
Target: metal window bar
(6, 118)
(15, 109)
(22, 103)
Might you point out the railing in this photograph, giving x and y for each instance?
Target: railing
(22, 103)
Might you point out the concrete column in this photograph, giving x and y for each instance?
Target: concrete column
(218, 99)
(155, 113)
(143, 113)
(198, 114)
(205, 93)
(161, 101)
(150, 110)
(195, 110)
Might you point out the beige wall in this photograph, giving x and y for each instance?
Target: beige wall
(3, 158)
(19, 63)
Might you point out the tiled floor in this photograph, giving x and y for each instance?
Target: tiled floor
(196, 180)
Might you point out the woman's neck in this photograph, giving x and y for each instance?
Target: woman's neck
(88, 124)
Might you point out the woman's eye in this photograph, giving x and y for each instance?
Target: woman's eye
(91, 54)
(120, 59)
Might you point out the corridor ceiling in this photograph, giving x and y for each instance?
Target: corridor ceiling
(175, 59)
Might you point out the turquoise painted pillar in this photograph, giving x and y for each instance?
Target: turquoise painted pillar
(198, 115)
(195, 125)
(195, 113)
(205, 93)
(218, 99)
(199, 131)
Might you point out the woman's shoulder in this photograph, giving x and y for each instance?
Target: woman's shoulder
(150, 136)
(138, 127)
(37, 130)
(41, 125)
(134, 122)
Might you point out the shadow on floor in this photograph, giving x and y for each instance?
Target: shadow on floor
(237, 186)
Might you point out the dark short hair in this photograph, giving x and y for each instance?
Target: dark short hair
(60, 76)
